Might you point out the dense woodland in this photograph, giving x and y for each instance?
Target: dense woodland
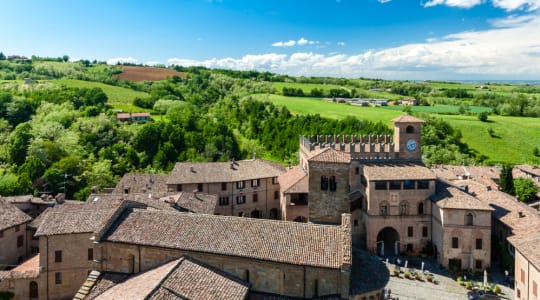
(59, 138)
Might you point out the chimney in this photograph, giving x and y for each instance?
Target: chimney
(191, 169)
(521, 214)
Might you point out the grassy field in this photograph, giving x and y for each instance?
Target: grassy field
(119, 97)
(305, 105)
(441, 109)
(514, 141)
(306, 87)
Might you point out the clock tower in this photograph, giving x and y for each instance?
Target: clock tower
(407, 131)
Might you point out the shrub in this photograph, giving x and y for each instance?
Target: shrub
(497, 289)
(407, 275)
(468, 285)
(483, 116)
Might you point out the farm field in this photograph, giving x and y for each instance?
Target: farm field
(441, 109)
(119, 97)
(307, 87)
(514, 141)
(136, 74)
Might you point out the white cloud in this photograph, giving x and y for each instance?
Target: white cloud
(341, 44)
(114, 61)
(384, 1)
(455, 3)
(301, 42)
(511, 50)
(508, 5)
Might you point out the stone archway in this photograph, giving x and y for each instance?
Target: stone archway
(388, 242)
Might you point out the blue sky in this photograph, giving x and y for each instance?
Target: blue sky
(393, 39)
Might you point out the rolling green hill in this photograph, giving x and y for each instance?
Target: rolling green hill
(119, 97)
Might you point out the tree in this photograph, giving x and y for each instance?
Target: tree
(483, 116)
(18, 111)
(506, 180)
(65, 58)
(18, 143)
(536, 152)
(2, 56)
(525, 189)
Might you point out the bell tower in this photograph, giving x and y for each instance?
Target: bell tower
(407, 130)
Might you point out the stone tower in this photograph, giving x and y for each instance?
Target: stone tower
(407, 130)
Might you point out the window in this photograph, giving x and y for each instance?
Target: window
(324, 183)
(240, 184)
(223, 200)
(469, 219)
(395, 185)
(223, 186)
(357, 170)
(522, 276)
(90, 255)
(404, 208)
(384, 208)
(1, 233)
(518, 293)
(421, 208)
(20, 241)
(255, 183)
(276, 194)
(410, 231)
(178, 187)
(58, 278)
(478, 244)
(17, 228)
(380, 185)
(355, 222)
(409, 247)
(34, 292)
(255, 197)
(455, 242)
(58, 256)
(247, 276)
(424, 231)
(535, 289)
(34, 250)
(275, 180)
(408, 184)
(240, 199)
(478, 264)
(333, 183)
(409, 129)
(423, 184)
(199, 187)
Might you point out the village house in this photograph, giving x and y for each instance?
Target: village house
(13, 238)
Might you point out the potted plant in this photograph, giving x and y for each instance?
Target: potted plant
(407, 275)
(468, 285)
(417, 276)
(497, 289)
(429, 278)
(396, 272)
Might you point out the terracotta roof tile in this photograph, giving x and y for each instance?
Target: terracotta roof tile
(11, 216)
(293, 243)
(156, 184)
(183, 278)
(401, 171)
(192, 172)
(330, 155)
(200, 203)
(407, 119)
(529, 246)
(295, 180)
(26, 270)
(448, 196)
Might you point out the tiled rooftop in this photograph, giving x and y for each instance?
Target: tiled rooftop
(330, 155)
(11, 216)
(400, 171)
(292, 243)
(529, 246)
(155, 184)
(448, 196)
(26, 270)
(200, 203)
(208, 172)
(295, 180)
(407, 119)
(183, 278)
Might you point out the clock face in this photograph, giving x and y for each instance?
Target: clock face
(411, 145)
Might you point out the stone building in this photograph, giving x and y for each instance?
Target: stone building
(244, 188)
(14, 242)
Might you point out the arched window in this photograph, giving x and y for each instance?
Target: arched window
(34, 292)
(469, 219)
(421, 208)
(410, 129)
(383, 207)
(404, 208)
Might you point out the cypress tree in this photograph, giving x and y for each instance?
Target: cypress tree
(506, 180)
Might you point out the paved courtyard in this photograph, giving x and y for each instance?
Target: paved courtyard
(447, 288)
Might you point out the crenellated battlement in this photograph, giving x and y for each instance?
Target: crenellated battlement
(359, 147)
